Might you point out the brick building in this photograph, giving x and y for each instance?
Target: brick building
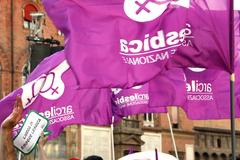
(195, 139)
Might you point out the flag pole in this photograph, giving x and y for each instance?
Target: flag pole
(19, 155)
(156, 153)
(233, 131)
(232, 78)
(112, 139)
(173, 139)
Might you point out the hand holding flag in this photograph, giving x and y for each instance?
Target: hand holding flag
(15, 116)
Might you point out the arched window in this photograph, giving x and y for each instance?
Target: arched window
(25, 72)
(197, 156)
(219, 143)
(148, 120)
(223, 156)
(238, 158)
(27, 10)
(214, 156)
(174, 112)
(205, 156)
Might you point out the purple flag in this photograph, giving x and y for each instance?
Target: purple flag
(119, 43)
(237, 56)
(208, 45)
(7, 104)
(202, 93)
(237, 37)
(168, 88)
(133, 101)
(209, 91)
(123, 43)
(54, 94)
(208, 95)
(237, 86)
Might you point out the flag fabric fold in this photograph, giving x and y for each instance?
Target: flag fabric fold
(53, 92)
(207, 92)
(168, 88)
(117, 43)
(208, 46)
(202, 93)
(122, 43)
(133, 101)
(208, 95)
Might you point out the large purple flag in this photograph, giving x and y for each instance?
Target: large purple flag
(55, 94)
(119, 43)
(133, 101)
(123, 43)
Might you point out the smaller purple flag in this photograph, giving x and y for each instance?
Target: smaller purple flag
(207, 92)
(53, 92)
(202, 93)
(208, 95)
(133, 101)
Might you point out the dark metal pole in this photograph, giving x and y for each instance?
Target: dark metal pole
(232, 79)
(233, 132)
(156, 153)
(12, 43)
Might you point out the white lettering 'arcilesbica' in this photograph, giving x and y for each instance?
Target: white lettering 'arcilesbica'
(54, 114)
(199, 91)
(130, 100)
(199, 87)
(148, 10)
(160, 42)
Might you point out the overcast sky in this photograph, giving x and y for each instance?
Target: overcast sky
(237, 4)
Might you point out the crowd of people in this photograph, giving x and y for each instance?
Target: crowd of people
(7, 150)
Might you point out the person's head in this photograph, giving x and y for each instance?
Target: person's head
(93, 158)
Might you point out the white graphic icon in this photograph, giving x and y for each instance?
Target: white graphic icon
(148, 10)
(195, 69)
(49, 86)
(137, 87)
(118, 90)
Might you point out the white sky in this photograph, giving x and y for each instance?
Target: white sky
(237, 4)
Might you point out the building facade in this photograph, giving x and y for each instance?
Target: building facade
(200, 140)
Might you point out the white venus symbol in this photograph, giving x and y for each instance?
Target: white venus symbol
(49, 86)
(148, 10)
